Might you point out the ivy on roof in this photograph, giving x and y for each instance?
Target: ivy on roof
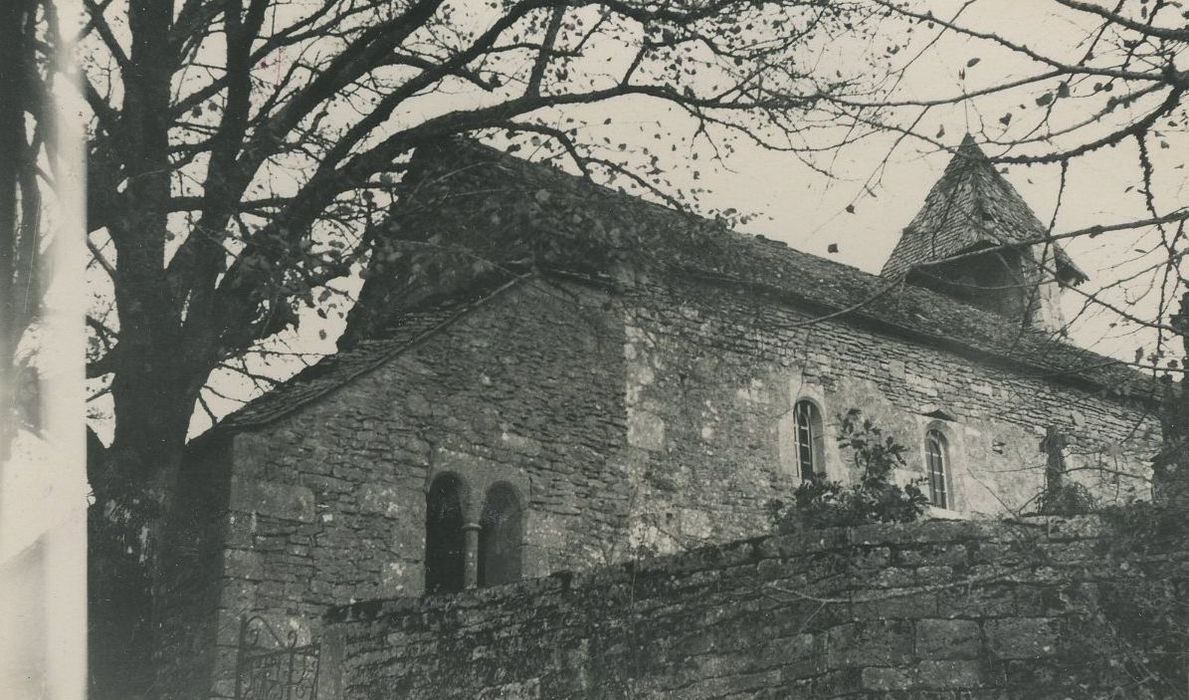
(477, 203)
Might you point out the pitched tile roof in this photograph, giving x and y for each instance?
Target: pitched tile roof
(461, 185)
(333, 371)
(971, 204)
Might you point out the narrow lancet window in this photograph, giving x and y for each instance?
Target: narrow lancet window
(937, 462)
(500, 536)
(809, 439)
(445, 542)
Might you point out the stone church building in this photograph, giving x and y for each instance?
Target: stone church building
(546, 375)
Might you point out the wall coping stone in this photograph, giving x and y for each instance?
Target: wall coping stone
(928, 533)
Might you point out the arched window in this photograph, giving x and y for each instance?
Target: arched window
(810, 445)
(937, 462)
(500, 536)
(445, 541)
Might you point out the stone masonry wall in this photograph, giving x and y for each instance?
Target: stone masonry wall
(327, 505)
(940, 610)
(660, 418)
(714, 371)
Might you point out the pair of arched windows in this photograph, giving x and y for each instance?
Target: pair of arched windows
(461, 554)
(811, 452)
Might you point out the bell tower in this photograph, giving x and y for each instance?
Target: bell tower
(976, 240)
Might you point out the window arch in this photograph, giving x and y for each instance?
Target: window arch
(501, 531)
(937, 463)
(809, 436)
(445, 540)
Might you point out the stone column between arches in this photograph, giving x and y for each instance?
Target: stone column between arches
(478, 475)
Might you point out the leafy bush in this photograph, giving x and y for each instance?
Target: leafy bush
(820, 502)
(1066, 499)
(1139, 619)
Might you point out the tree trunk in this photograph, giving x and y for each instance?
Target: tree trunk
(152, 391)
(133, 483)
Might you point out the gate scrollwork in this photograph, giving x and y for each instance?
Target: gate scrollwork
(270, 666)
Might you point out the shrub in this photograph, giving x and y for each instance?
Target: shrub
(1066, 499)
(1139, 618)
(820, 502)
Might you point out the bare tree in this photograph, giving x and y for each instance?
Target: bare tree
(240, 150)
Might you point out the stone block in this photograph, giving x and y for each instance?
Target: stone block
(731, 685)
(529, 689)
(948, 639)
(869, 643)
(407, 538)
(945, 675)
(910, 605)
(1021, 638)
(772, 570)
(933, 575)
(398, 579)
(1037, 601)
(645, 430)
(871, 558)
(238, 593)
(949, 555)
(243, 563)
(976, 601)
(835, 683)
(881, 678)
(699, 643)
(240, 530)
(223, 682)
(326, 484)
(521, 444)
(417, 405)
(797, 646)
(272, 499)
(1070, 552)
(954, 530)
(382, 499)
(1034, 673)
(252, 454)
(1070, 527)
(909, 555)
(891, 577)
(994, 553)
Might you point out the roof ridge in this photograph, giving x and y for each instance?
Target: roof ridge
(831, 268)
(504, 158)
(745, 259)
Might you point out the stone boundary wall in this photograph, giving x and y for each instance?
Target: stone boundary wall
(940, 609)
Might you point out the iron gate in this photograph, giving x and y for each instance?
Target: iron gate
(271, 667)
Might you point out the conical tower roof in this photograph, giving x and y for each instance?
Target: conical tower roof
(972, 205)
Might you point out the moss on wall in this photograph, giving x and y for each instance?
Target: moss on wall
(935, 609)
